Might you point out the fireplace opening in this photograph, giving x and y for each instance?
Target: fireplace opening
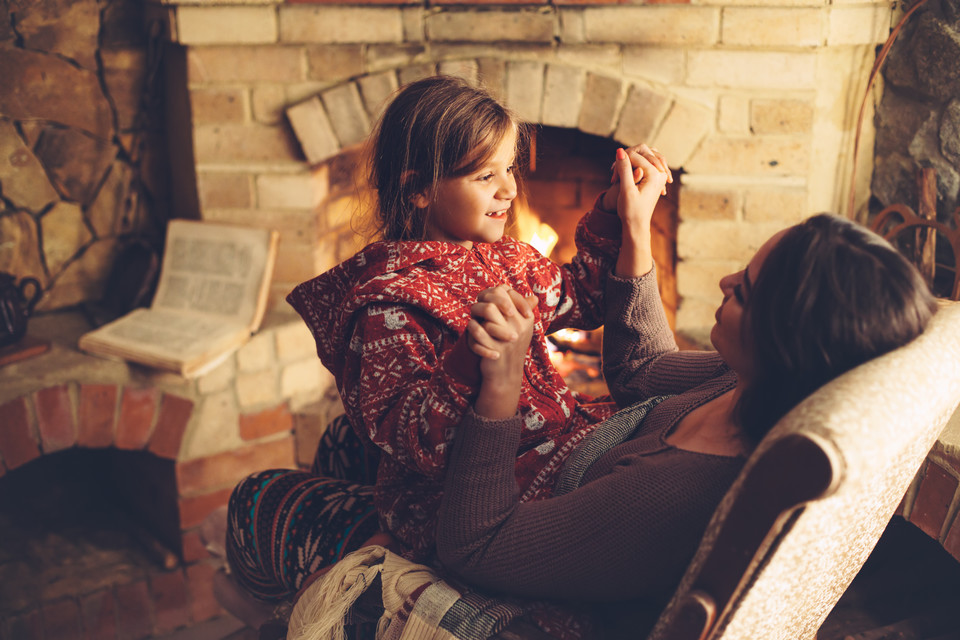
(80, 521)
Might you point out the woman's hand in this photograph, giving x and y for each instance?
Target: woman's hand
(639, 184)
(500, 331)
(635, 154)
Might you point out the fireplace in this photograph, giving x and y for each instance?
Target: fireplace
(266, 103)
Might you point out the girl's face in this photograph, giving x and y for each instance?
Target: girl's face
(473, 208)
(729, 332)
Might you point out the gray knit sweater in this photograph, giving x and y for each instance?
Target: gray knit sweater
(633, 524)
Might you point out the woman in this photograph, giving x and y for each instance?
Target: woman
(815, 301)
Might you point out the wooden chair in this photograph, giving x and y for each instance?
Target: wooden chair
(814, 498)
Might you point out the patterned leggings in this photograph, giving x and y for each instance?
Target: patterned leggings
(284, 525)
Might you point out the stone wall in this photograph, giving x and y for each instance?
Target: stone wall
(82, 161)
(918, 120)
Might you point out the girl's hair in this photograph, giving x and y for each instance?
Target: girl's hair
(435, 128)
(829, 296)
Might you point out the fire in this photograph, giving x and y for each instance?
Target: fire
(529, 228)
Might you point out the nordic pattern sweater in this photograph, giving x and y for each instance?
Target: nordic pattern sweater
(390, 325)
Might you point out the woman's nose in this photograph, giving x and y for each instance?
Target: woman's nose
(727, 283)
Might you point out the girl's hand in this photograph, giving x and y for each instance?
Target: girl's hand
(500, 332)
(635, 154)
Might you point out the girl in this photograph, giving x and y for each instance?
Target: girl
(390, 322)
(627, 524)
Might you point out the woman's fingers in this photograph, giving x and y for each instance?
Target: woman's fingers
(480, 341)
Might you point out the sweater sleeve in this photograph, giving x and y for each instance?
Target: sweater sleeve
(407, 382)
(627, 534)
(640, 355)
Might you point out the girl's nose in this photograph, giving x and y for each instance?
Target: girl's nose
(508, 188)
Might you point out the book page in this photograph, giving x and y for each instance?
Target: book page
(217, 270)
(168, 339)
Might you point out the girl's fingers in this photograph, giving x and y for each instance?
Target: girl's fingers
(480, 341)
(523, 305)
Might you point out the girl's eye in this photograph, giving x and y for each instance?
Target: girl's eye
(485, 177)
(738, 293)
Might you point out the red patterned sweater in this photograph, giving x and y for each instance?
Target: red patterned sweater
(389, 324)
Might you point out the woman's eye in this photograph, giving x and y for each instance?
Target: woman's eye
(511, 169)
(738, 293)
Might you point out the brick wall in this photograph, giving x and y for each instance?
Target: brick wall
(755, 102)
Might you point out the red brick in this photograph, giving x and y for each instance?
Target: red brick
(133, 611)
(171, 424)
(933, 500)
(254, 426)
(98, 409)
(61, 620)
(99, 616)
(55, 418)
(193, 510)
(228, 468)
(193, 547)
(203, 602)
(137, 407)
(18, 445)
(24, 626)
(170, 605)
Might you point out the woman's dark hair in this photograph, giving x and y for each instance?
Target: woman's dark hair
(435, 128)
(829, 296)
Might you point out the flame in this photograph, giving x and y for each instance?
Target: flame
(530, 229)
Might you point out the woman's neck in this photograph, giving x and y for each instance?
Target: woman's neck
(711, 428)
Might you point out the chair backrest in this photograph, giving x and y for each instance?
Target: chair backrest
(815, 496)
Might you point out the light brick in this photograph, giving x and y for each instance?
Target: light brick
(596, 57)
(682, 131)
(334, 62)
(313, 129)
(257, 389)
(412, 19)
(493, 25)
(340, 24)
(224, 190)
(226, 25)
(733, 114)
(601, 102)
(663, 65)
(859, 24)
(219, 378)
(302, 377)
(701, 278)
(784, 205)
(239, 144)
(414, 72)
(466, 69)
(563, 95)
(781, 116)
(722, 240)
(215, 429)
(572, 28)
(492, 73)
(257, 354)
(214, 105)
(770, 156)
(347, 115)
(376, 90)
(752, 69)
(695, 317)
(290, 191)
(267, 103)
(773, 27)
(525, 89)
(294, 341)
(641, 114)
(258, 63)
(703, 204)
(652, 24)
(389, 57)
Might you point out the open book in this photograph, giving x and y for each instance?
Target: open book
(211, 297)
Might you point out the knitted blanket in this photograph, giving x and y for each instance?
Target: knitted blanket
(417, 603)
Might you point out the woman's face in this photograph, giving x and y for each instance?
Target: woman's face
(728, 333)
